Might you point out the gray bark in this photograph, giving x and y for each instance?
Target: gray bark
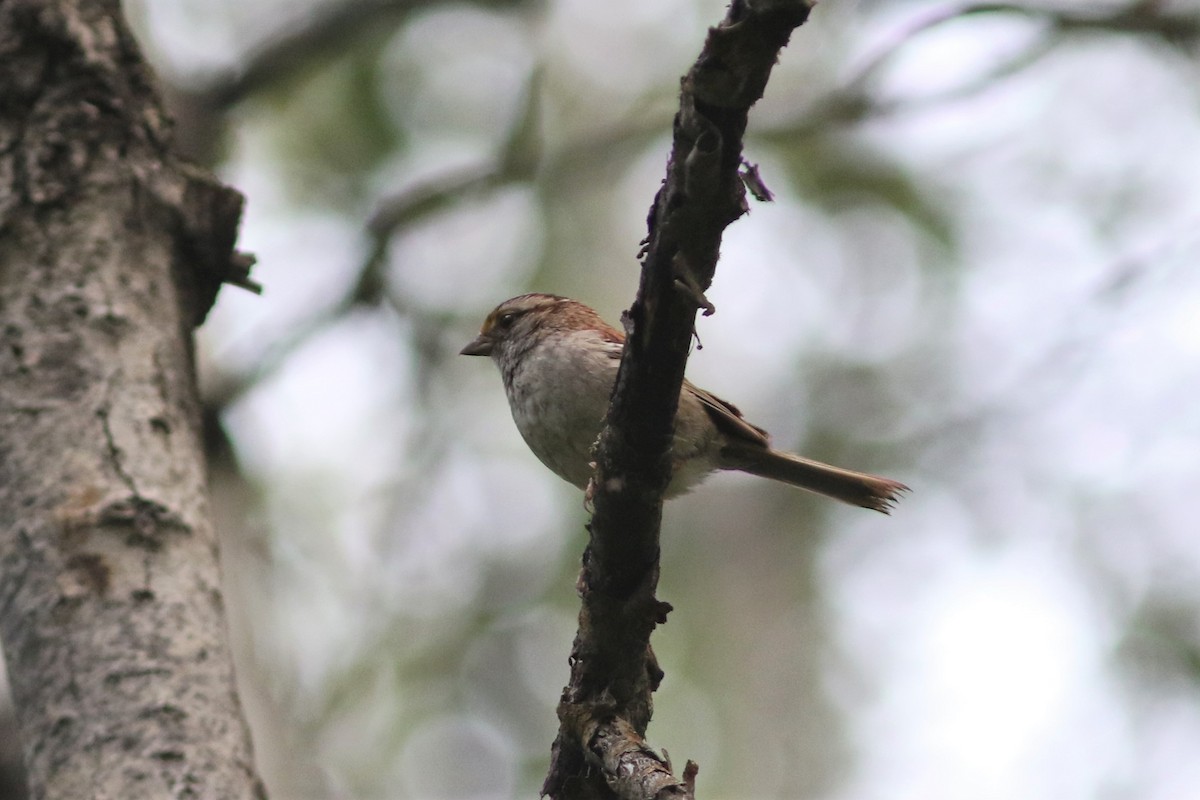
(110, 606)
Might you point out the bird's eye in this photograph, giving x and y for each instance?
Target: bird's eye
(505, 320)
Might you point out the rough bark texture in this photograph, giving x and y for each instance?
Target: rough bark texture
(110, 252)
(600, 751)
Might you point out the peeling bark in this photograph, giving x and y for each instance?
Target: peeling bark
(110, 252)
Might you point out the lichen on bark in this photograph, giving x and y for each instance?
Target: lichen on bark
(111, 250)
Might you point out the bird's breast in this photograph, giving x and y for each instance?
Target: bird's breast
(559, 396)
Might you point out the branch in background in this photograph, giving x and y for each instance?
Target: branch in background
(853, 102)
(516, 162)
(606, 707)
(329, 29)
(1140, 17)
(1144, 16)
(339, 25)
(199, 105)
(521, 158)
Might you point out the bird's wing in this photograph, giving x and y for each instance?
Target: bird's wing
(728, 418)
(725, 415)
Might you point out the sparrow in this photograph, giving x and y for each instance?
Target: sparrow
(559, 359)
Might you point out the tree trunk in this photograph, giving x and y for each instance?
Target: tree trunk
(110, 606)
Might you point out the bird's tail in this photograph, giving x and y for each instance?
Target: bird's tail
(856, 488)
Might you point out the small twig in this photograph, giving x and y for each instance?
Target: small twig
(238, 275)
(753, 182)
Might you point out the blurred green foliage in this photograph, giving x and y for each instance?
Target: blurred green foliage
(401, 572)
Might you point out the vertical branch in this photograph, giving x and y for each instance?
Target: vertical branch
(606, 707)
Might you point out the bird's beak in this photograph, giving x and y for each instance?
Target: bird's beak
(482, 346)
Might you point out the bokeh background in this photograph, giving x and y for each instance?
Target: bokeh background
(979, 276)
